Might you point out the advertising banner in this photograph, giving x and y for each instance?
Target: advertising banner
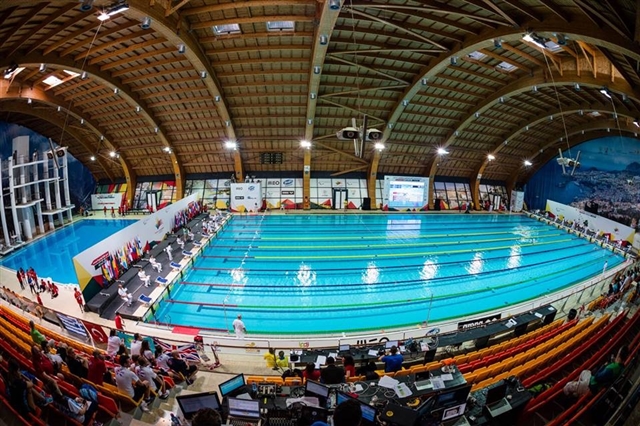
(100, 201)
(246, 197)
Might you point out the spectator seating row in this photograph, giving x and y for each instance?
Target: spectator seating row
(602, 350)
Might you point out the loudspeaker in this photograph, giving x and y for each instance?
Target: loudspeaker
(366, 203)
(436, 204)
(430, 355)
(482, 342)
(60, 153)
(572, 314)
(50, 155)
(549, 318)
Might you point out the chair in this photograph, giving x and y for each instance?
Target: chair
(403, 373)
(255, 379)
(470, 377)
(482, 374)
(473, 356)
(274, 380)
(419, 369)
(294, 381)
(356, 379)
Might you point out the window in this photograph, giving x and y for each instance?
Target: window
(506, 66)
(226, 29)
(280, 26)
(478, 56)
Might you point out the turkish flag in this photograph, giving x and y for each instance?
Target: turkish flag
(96, 331)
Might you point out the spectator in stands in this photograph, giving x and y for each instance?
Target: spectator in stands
(180, 366)
(145, 351)
(125, 295)
(347, 413)
(60, 350)
(270, 358)
(607, 374)
(331, 374)
(50, 351)
(146, 373)
(36, 336)
(206, 417)
(349, 366)
(97, 368)
(45, 370)
(310, 372)
(162, 363)
(393, 361)
(129, 384)
(77, 366)
(136, 345)
(114, 344)
(76, 408)
(20, 391)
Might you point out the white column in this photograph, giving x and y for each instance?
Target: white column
(36, 186)
(47, 194)
(39, 214)
(12, 198)
(3, 213)
(65, 184)
(23, 179)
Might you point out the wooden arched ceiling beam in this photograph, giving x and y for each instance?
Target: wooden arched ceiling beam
(19, 95)
(128, 96)
(177, 32)
(579, 29)
(583, 133)
(32, 110)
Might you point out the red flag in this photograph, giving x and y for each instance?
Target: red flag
(96, 331)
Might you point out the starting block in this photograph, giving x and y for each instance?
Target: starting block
(175, 265)
(162, 281)
(144, 299)
(187, 253)
(197, 244)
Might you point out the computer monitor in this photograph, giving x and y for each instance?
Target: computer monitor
(496, 393)
(316, 389)
(369, 413)
(231, 385)
(453, 397)
(391, 343)
(245, 408)
(454, 412)
(190, 404)
(344, 348)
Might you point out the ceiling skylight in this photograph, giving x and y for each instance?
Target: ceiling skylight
(226, 29)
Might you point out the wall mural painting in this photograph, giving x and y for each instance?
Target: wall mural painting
(607, 182)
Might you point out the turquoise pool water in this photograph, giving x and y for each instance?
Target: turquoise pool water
(344, 273)
(52, 256)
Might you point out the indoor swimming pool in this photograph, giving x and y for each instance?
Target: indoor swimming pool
(52, 255)
(306, 274)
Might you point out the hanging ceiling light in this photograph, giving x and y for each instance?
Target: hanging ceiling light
(442, 151)
(305, 144)
(605, 91)
(528, 163)
(491, 157)
(230, 145)
(379, 146)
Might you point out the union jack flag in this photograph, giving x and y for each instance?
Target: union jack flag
(188, 351)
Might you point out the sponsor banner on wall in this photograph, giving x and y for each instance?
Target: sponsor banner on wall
(100, 201)
(478, 322)
(517, 201)
(592, 221)
(246, 196)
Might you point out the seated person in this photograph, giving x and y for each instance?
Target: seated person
(206, 417)
(332, 374)
(270, 358)
(113, 344)
(281, 361)
(22, 396)
(393, 361)
(349, 366)
(77, 366)
(180, 243)
(143, 277)
(162, 363)
(310, 372)
(178, 365)
(347, 413)
(130, 384)
(97, 368)
(607, 374)
(146, 373)
(75, 408)
(125, 295)
(155, 264)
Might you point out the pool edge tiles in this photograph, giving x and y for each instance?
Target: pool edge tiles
(200, 315)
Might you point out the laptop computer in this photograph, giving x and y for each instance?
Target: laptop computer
(496, 402)
(369, 412)
(190, 404)
(233, 387)
(399, 415)
(344, 349)
(243, 411)
(423, 381)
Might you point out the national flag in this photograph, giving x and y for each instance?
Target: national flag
(96, 331)
(72, 325)
(188, 351)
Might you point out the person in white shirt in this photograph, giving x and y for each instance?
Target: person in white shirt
(155, 264)
(124, 295)
(130, 384)
(239, 328)
(180, 243)
(136, 344)
(146, 373)
(144, 278)
(169, 250)
(113, 344)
